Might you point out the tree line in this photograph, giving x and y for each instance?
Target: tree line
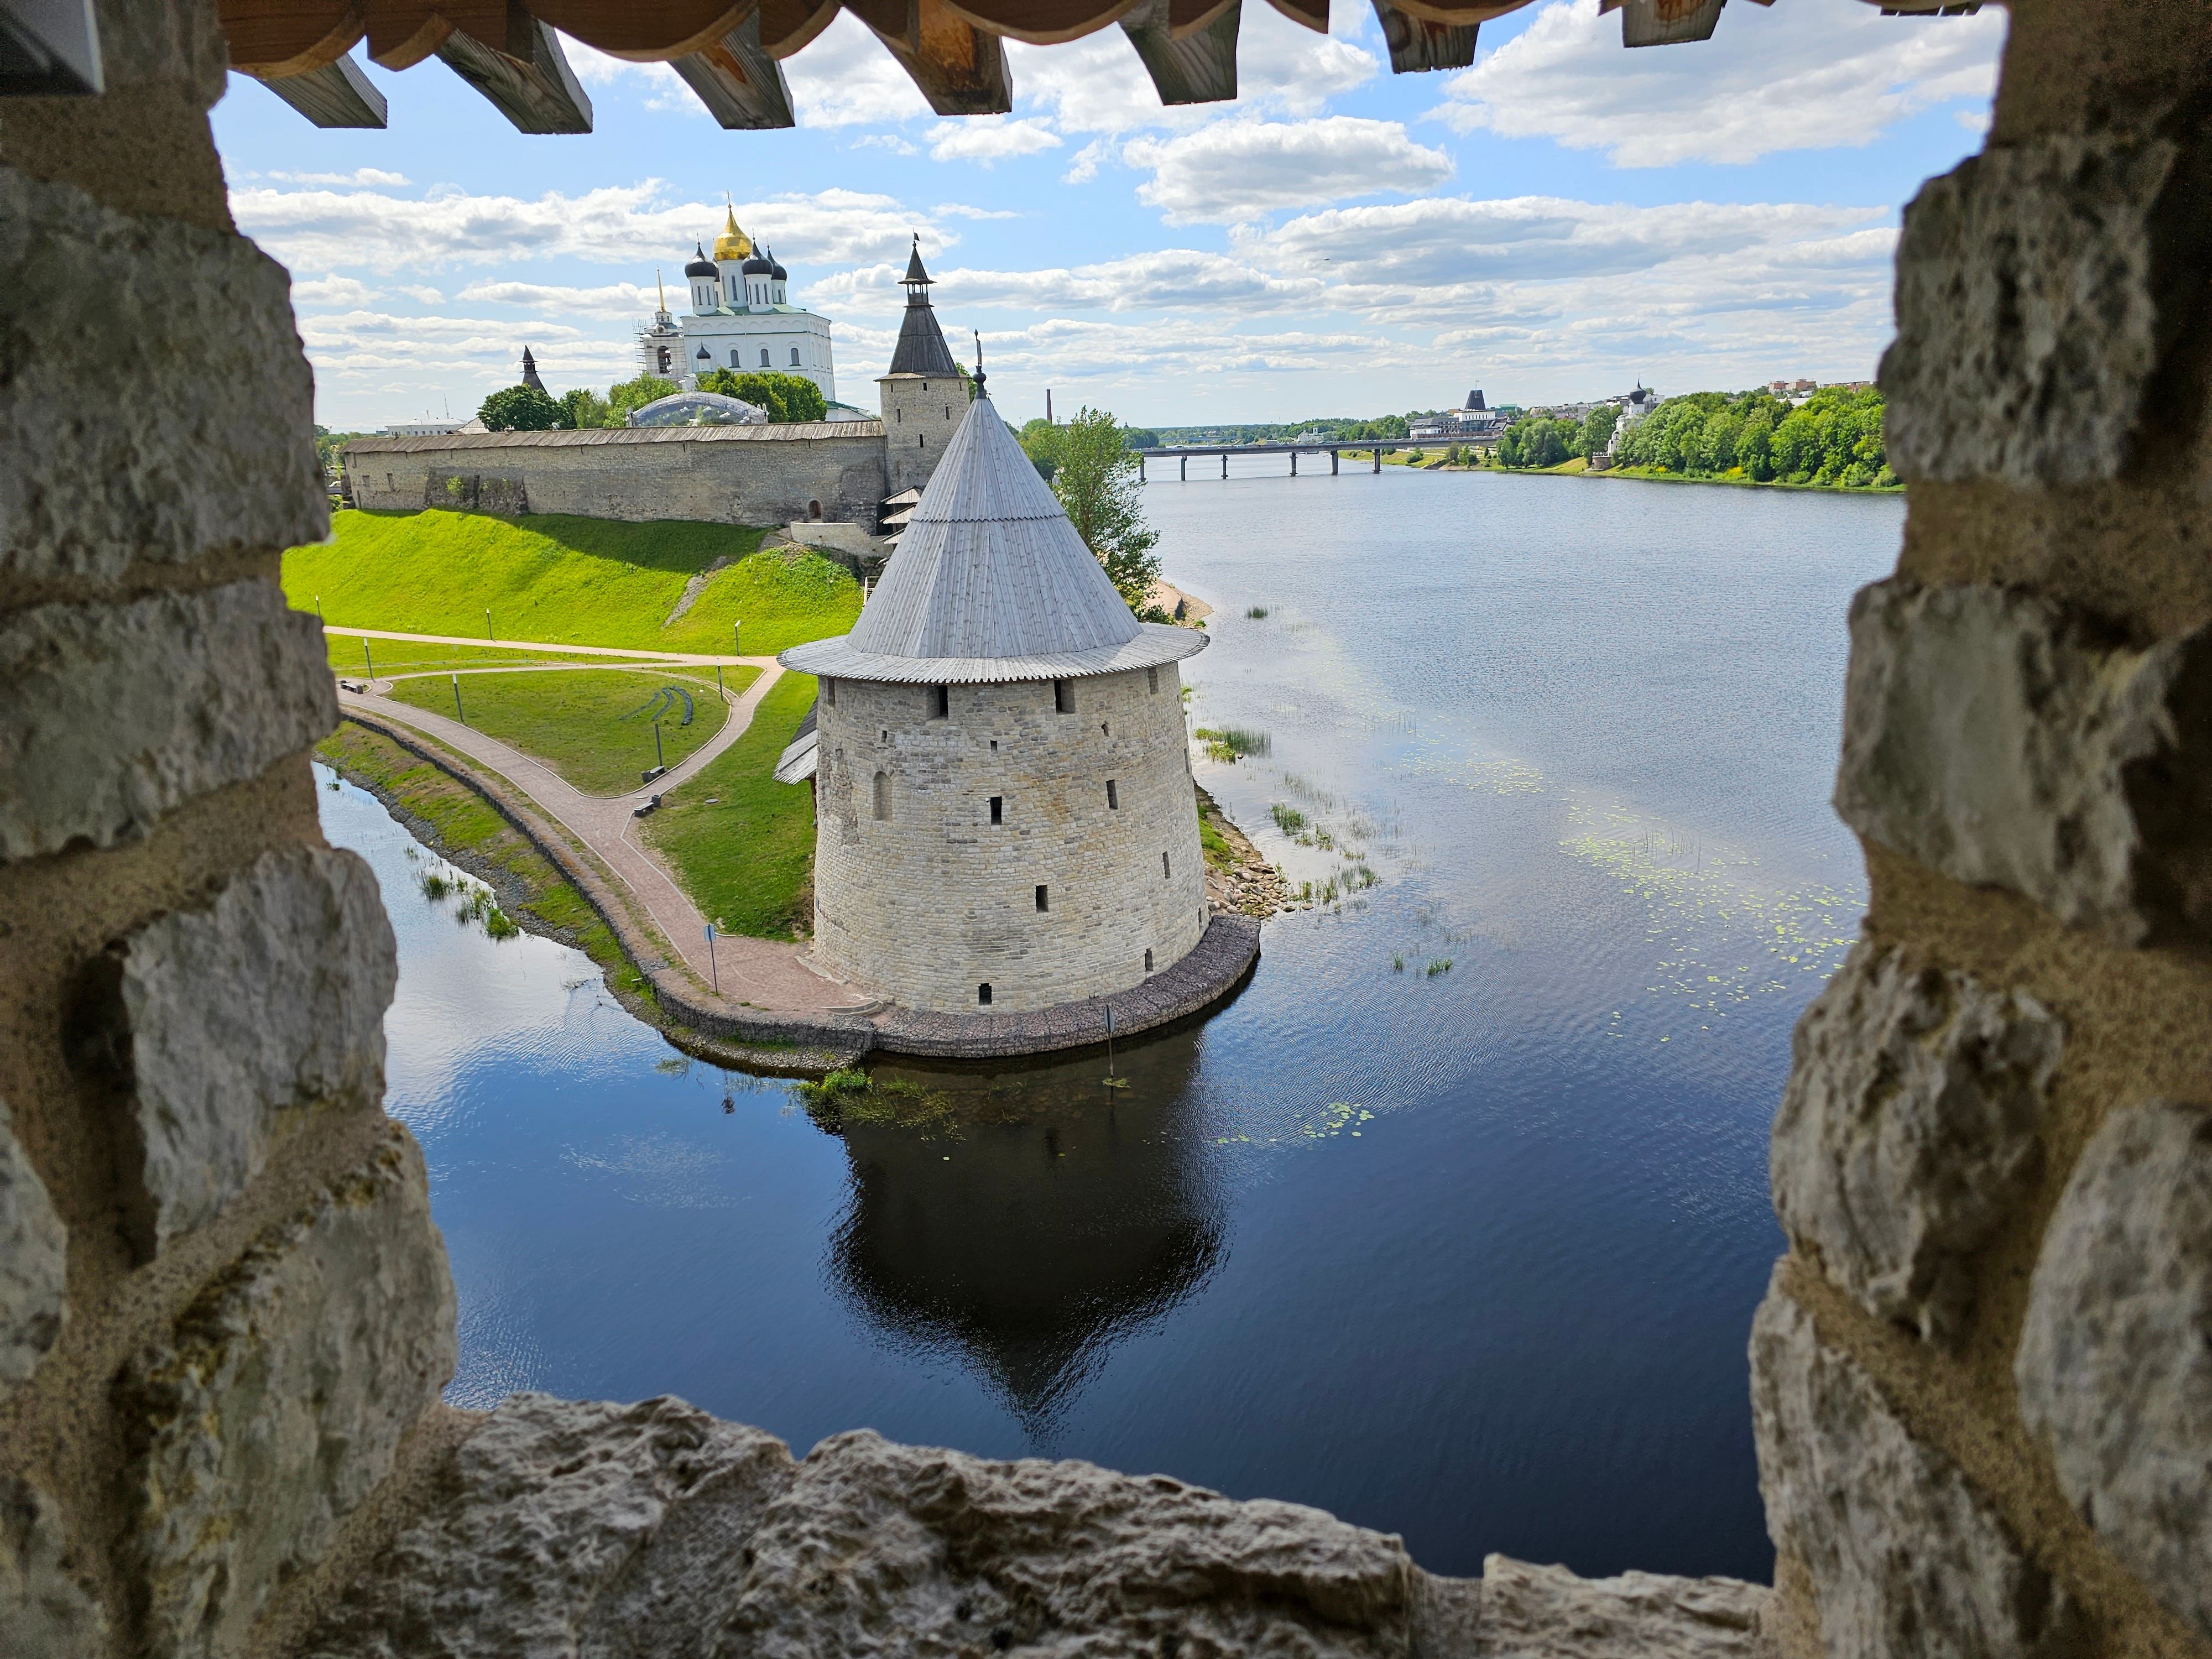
(1833, 438)
(525, 409)
(1090, 463)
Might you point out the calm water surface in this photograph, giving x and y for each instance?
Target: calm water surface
(1469, 1255)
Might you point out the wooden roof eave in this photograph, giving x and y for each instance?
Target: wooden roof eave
(510, 50)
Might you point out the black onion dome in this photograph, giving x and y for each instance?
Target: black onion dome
(702, 266)
(758, 265)
(781, 274)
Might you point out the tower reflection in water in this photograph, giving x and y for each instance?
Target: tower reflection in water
(1028, 1220)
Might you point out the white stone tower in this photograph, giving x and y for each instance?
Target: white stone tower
(1006, 817)
(923, 398)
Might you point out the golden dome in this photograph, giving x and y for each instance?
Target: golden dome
(733, 243)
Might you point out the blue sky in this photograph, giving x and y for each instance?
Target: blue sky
(1562, 219)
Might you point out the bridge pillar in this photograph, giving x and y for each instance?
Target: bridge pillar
(1186, 469)
(1378, 460)
(1140, 469)
(1224, 463)
(1294, 463)
(1332, 458)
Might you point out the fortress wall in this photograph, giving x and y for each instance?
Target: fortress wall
(717, 475)
(927, 904)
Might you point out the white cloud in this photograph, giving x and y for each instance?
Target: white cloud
(333, 290)
(959, 211)
(1085, 167)
(420, 292)
(614, 299)
(846, 77)
(1233, 171)
(1786, 77)
(664, 89)
(632, 225)
(1452, 240)
(989, 139)
(889, 141)
(358, 176)
(1172, 279)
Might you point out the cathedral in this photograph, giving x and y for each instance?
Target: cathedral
(739, 318)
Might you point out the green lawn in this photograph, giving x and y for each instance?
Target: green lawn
(748, 859)
(556, 580)
(411, 656)
(592, 725)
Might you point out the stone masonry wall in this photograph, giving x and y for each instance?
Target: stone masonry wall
(225, 1315)
(932, 900)
(718, 475)
(1981, 1378)
(921, 414)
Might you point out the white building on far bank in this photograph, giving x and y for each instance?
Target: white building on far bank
(740, 318)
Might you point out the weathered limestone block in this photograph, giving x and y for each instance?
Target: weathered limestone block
(110, 715)
(1911, 1122)
(2115, 1360)
(175, 40)
(1906, 1557)
(277, 1401)
(236, 1019)
(34, 1263)
(43, 1611)
(604, 1530)
(882, 1549)
(573, 1528)
(2029, 302)
(1547, 1613)
(1993, 740)
(210, 445)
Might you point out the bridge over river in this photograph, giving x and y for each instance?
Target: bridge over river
(1182, 454)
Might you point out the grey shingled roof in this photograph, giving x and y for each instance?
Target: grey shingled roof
(991, 582)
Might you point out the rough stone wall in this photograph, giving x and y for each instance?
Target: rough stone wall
(921, 414)
(225, 1316)
(929, 903)
(718, 475)
(1982, 1377)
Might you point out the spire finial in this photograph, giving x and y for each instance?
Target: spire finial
(978, 363)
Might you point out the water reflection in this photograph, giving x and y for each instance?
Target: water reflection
(1041, 1220)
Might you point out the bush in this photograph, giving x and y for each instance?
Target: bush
(784, 396)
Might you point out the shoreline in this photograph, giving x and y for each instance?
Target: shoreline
(1642, 475)
(546, 887)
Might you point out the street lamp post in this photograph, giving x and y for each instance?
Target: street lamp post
(460, 713)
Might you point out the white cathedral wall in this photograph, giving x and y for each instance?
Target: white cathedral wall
(925, 904)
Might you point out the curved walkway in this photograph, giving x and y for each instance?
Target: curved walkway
(765, 973)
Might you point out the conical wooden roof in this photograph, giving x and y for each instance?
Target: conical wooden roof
(991, 582)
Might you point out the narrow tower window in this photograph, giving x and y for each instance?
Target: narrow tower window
(1112, 796)
(1063, 697)
(830, 692)
(1044, 897)
(940, 702)
(1152, 680)
(884, 800)
(1148, 962)
(998, 809)
(983, 993)
(1167, 870)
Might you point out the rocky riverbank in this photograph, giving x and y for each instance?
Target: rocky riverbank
(1238, 878)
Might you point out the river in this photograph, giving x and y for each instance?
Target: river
(1467, 1254)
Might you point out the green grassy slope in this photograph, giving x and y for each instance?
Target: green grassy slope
(554, 579)
(350, 654)
(592, 725)
(747, 861)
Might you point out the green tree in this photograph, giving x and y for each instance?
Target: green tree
(1097, 480)
(628, 395)
(1042, 441)
(582, 408)
(519, 409)
(1596, 429)
(784, 396)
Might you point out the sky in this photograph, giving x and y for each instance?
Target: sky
(1560, 221)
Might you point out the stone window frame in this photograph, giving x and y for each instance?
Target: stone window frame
(983, 993)
(882, 796)
(940, 702)
(1112, 796)
(1063, 697)
(1043, 898)
(998, 809)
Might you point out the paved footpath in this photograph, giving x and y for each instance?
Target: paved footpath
(725, 658)
(766, 973)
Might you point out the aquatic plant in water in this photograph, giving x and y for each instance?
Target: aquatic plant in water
(1231, 743)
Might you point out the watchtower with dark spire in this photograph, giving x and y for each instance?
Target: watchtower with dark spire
(530, 372)
(922, 396)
